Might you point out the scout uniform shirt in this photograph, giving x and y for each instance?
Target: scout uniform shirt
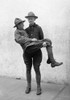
(22, 38)
(35, 31)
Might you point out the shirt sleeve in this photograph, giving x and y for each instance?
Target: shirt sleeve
(21, 39)
(41, 35)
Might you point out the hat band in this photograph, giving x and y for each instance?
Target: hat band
(31, 16)
(19, 23)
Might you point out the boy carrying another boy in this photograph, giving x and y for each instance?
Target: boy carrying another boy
(30, 47)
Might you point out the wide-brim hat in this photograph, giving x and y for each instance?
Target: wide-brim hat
(18, 21)
(31, 14)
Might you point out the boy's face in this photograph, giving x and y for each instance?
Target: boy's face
(21, 25)
(31, 20)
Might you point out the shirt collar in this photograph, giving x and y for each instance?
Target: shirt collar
(32, 25)
(20, 30)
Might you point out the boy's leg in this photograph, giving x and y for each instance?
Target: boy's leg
(36, 45)
(50, 54)
(51, 57)
(28, 62)
(37, 58)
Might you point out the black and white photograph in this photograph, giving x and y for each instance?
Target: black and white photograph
(34, 49)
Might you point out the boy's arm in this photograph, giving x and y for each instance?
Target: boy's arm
(21, 39)
(41, 34)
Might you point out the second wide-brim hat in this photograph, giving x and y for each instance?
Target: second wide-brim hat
(18, 21)
(31, 14)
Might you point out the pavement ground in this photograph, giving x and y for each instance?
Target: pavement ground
(14, 89)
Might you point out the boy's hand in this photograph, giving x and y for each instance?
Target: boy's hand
(34, 39)
(46, 44)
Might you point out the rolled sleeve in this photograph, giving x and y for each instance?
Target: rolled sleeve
(41, 35)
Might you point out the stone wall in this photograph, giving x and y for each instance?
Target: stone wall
(54, 18)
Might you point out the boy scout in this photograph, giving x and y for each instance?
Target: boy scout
(22, 38)
(35, 31)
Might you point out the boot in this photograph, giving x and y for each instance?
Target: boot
(48, 61)
(53, 64)
(51, 58)
(28, 88)
(38, 80)
(38, 90)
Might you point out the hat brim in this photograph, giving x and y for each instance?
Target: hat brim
(19, 23)
(31, 16)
